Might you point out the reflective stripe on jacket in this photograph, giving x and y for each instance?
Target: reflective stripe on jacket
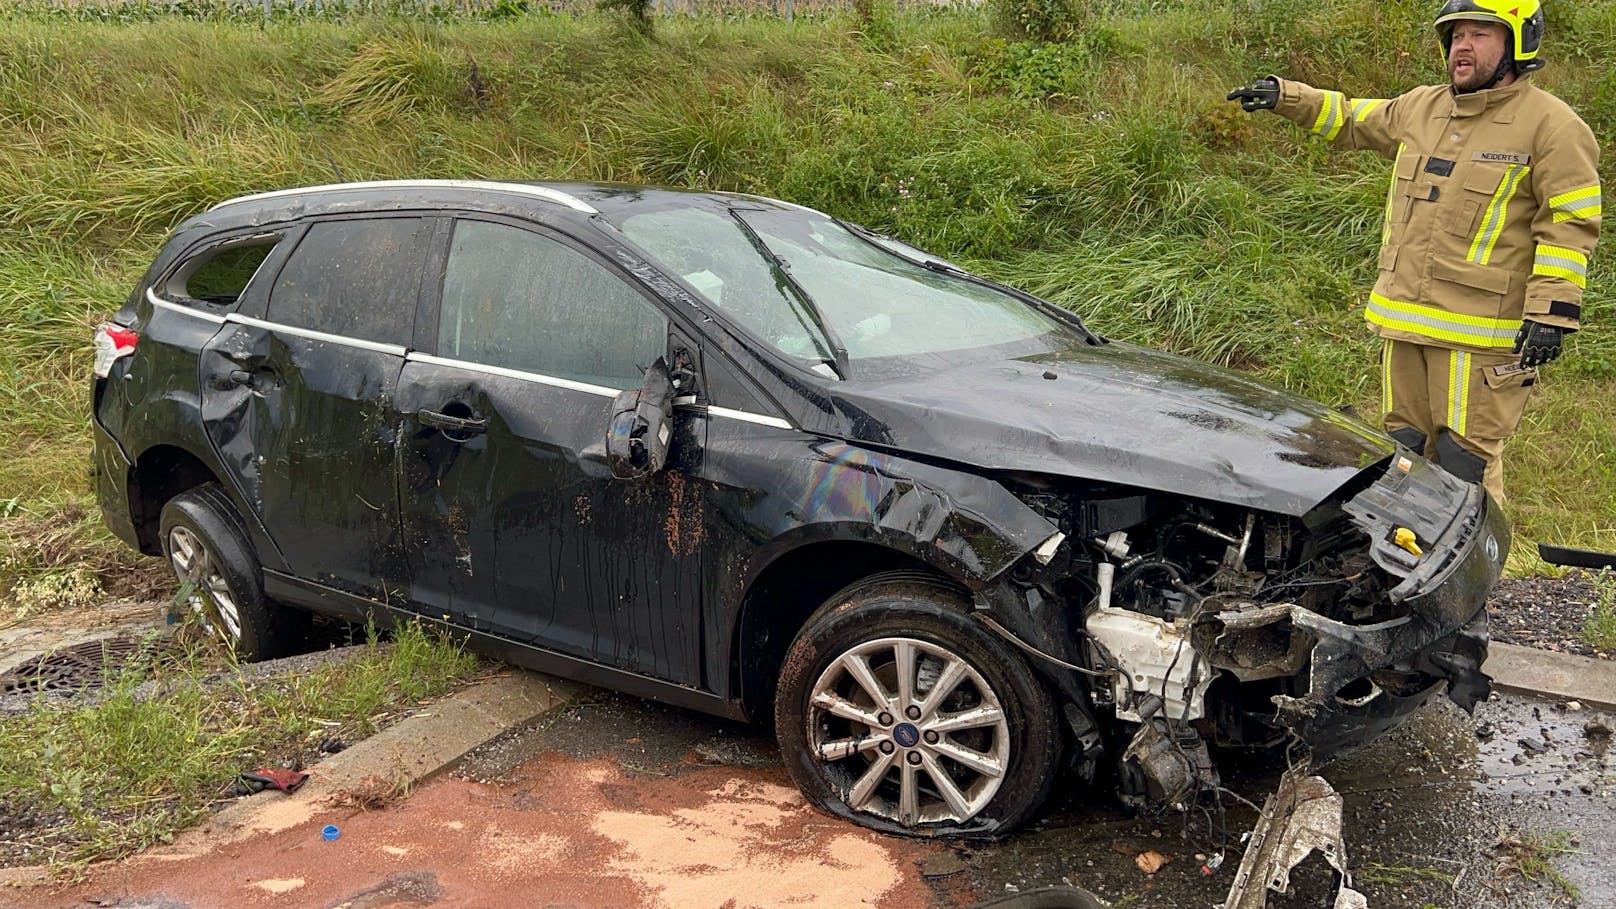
(1493, 210)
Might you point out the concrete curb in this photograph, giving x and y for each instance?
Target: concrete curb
(1546, 673)
(423, 745)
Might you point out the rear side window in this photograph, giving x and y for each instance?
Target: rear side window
(522, 300)
(219, 275)
(356, 279)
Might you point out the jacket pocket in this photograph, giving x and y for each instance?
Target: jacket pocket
(1494, 281)
(1388, 257)
(1403, 175)
(1479, 187)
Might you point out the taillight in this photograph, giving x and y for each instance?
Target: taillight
(112, 343)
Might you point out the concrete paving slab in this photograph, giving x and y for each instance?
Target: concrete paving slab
(1564, 676)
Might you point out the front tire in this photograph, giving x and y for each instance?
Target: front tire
(899, 711)
(206, 546)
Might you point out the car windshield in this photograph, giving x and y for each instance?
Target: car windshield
(805, 284)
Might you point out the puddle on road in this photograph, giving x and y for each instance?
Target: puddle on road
(1423, 807)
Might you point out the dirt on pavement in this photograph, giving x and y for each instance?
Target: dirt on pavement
(560, 831)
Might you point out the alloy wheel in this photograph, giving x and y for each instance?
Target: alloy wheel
(910, 731)
(210, 596)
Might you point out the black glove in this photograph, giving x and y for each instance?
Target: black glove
(1538, 343)
(1260, 95)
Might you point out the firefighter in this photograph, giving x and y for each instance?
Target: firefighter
(1492, 214)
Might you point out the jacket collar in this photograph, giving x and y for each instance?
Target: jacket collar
(1472, 103)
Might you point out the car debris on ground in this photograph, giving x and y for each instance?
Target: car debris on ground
(1302, 816)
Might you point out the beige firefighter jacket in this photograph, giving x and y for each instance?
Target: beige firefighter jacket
(1492, 213)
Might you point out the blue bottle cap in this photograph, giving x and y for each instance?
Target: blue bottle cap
(330, 832)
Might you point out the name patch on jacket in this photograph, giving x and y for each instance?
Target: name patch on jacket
(1501, 157)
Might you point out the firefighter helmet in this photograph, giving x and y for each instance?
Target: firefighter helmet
(1523, 18)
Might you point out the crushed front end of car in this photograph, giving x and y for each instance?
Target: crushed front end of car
(1200, 624)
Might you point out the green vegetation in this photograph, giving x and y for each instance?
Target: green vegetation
(1104, 171)
(159, 746)
(1530, 855)
(1599, 628)
(1400, 875)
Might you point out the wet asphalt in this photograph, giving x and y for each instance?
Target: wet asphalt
(1513, 807)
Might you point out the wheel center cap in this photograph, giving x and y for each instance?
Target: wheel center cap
(907, 735)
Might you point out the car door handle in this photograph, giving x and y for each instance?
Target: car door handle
(452, 425)
(241, 378)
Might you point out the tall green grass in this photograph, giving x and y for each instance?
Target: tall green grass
(1105, 172)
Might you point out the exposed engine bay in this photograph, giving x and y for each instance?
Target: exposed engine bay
(1200, 625)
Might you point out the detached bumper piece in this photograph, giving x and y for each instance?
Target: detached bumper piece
(1303, 816)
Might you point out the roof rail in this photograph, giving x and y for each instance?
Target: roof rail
(525, 189)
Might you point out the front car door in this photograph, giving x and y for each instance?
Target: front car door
(513, 521)
(299, 402)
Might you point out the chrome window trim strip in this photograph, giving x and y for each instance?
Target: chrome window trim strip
(161, 303)
(538, 192)
(749, 417)
(394, 349)
(600, 390)
(554, 381)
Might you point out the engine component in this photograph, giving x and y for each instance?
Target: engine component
(1152, 657)
(1170, 759)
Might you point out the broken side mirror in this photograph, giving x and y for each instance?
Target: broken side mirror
(641, 424)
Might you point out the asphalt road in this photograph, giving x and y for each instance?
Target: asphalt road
(620, 802)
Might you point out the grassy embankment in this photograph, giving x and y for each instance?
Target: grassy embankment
(1106, 173)
(159, 746)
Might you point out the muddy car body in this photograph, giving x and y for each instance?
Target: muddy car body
(735, 455)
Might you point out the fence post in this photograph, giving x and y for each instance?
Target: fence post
(788, 10)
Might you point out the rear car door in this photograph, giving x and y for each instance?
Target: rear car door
(514, 523)
(299, 406)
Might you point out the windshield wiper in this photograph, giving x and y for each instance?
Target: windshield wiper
(783, 276)
(1060, 313)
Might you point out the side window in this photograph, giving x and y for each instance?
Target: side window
(521, 300)
(357, 279)
(219, 274)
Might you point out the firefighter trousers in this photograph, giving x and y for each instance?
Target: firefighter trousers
(1456, 407)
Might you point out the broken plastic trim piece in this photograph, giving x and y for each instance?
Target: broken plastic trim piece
(1302, 816)
(1046, 553)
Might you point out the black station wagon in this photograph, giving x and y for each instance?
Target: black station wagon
(740, 456)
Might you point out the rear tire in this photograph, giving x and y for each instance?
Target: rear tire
(899, 711)
(206, 544)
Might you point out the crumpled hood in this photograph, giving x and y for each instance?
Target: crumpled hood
(1121, 414)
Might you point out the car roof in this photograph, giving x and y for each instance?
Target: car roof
(611, 201)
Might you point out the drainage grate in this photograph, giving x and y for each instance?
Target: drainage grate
(71, 668)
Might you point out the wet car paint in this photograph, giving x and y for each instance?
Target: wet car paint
(1212, 433)
(769, 462)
